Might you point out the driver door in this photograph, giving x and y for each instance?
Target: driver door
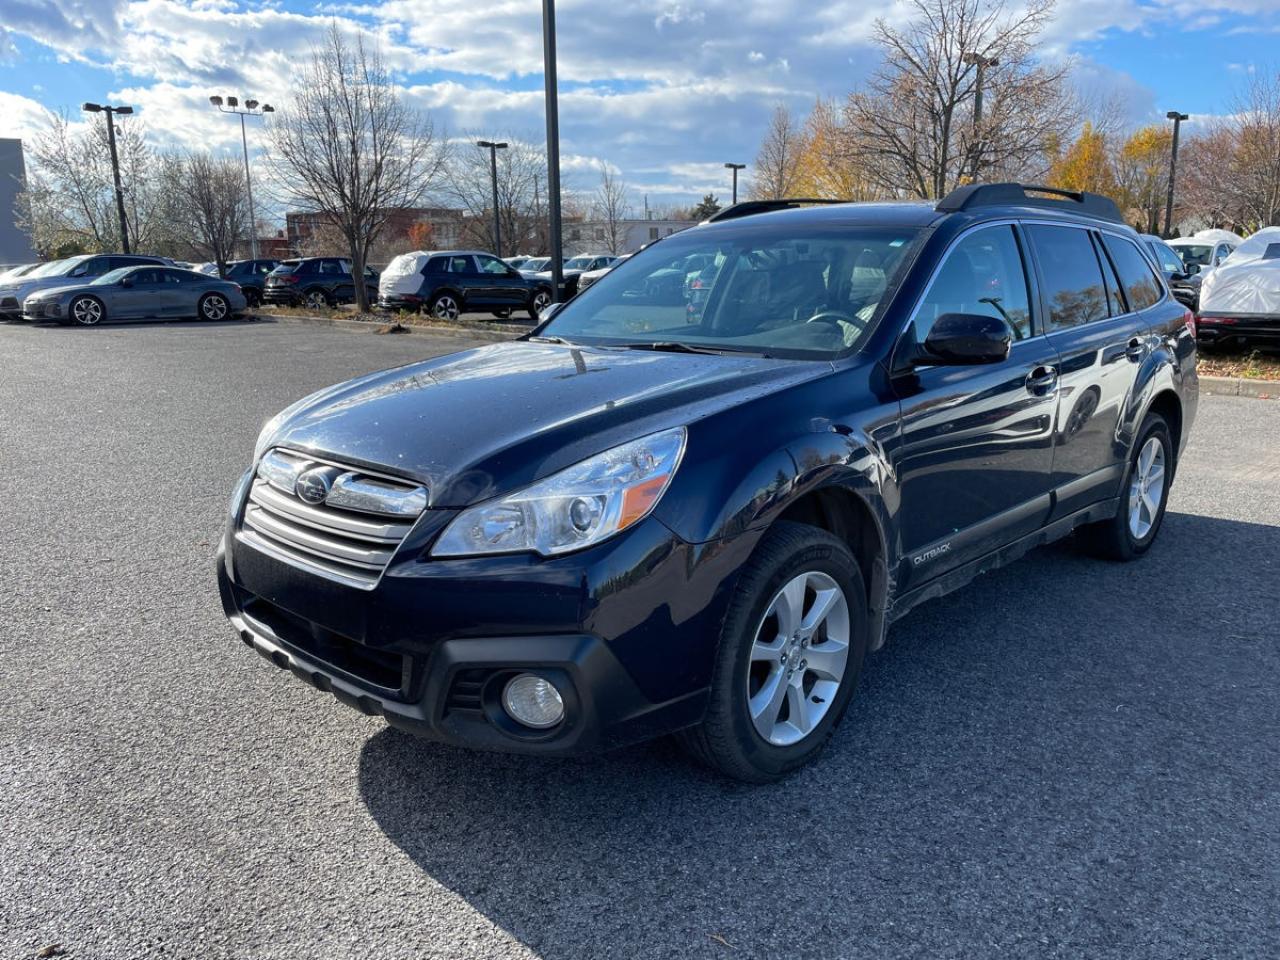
(975, 448)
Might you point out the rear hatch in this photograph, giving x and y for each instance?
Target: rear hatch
(403, 276)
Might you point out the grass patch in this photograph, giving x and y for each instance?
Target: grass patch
(1245, 364)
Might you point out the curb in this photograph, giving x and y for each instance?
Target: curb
(1240, 387)
(370, 326)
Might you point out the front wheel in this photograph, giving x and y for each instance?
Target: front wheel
(316, 299)
(86, 311)
(790, 652)
(541, 300)
(1143, 496)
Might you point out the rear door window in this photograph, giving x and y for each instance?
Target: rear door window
(1141, 287)
(1074, 290)
(461, 265)
(435, 266)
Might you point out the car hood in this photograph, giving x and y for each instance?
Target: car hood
(564, 274)
(25, 288)
(488, 421)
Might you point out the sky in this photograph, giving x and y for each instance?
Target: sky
(663, 92)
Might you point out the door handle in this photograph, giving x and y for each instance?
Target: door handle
(1135, 349)
(1042, 379)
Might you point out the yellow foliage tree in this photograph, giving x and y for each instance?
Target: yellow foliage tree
(1142, 175)
(1086, 165)
(824, 167)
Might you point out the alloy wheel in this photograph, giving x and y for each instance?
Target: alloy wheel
(446, 308)
(1146, 488)
(316, 300)
(798, 658)
(541, 300)
(214, 307)
(86, 311)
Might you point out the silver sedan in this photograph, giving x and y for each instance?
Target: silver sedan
(137, 293)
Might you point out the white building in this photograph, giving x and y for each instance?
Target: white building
(592, 236)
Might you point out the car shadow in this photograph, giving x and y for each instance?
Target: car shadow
(1066, 753)
(168, 322)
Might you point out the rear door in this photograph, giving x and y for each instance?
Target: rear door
(1102, 337)
(976, 442)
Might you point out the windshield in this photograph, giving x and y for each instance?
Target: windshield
(800, 291)
(112, 276)
(1167, 258)
(1197, 253)
(536, 264)
(56, 268)
(578, 263)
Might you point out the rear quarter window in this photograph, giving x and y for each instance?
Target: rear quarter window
(1141, 287)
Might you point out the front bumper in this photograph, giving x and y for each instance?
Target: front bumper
(430, 647)
(41, 310)
(395, 304)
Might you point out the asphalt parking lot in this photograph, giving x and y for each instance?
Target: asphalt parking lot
(1067, 759)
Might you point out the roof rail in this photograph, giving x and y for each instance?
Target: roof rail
(1025, 195)
(748, 207)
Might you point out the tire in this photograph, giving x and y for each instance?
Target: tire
(502, 314)
(252, 298)
(86, 311)
(444, 306)
(1132, 531)
(213, 306)
(541, 299)
(316, 299)
(766, 748)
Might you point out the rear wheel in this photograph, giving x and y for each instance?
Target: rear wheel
(252, 298)
(541, 300)
(1143, 496)
(445, 307)
(214, 306)
(502, 314)
(316, 299)
(790, 652)
(86, 311)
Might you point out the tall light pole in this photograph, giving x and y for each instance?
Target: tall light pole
(553, 145)
(251, 109)
(1177, 119)
(982, 63)
(115, 163)
(493, 170)
(735, 167)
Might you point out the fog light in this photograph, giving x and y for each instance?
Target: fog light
(533, 701)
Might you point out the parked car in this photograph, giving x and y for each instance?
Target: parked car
(573, 269)
(316, 282)
(535, 265)
(14, 271)
(137, 293)
(516, 262)
(1240, 299)
(1201, 255)
(445, 283)
(73, 270)
(623, 525)
(251, 275)
(588, 277)
(1183, 281)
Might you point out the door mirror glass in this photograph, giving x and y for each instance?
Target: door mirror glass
(1193, 269)
(960, 339)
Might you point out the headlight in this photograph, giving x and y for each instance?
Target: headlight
(575, 508)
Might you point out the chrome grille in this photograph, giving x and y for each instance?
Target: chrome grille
(350, 535)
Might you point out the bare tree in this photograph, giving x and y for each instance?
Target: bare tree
(777, 168)
(214, 212)
(611, 208)
(349, 147)
(521, 191)
(914, 129)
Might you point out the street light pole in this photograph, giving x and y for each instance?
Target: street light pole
(251, 109)
(982, 63)
(115, 163)
(553, 145)
(735, 167)
(1177, 119)
(493, 171)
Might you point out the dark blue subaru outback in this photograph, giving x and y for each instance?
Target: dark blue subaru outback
(644, 518)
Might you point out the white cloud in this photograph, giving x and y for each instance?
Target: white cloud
(23, 117)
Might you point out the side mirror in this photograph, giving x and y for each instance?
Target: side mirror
(1193, 269)
(549, 311)
(126, 281)
(962, 339)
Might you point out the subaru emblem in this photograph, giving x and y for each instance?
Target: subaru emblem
(314, 485)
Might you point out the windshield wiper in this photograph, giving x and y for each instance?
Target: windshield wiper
(671, 346)
(553, 339)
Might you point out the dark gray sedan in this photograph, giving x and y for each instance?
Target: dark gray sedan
(137, 293)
